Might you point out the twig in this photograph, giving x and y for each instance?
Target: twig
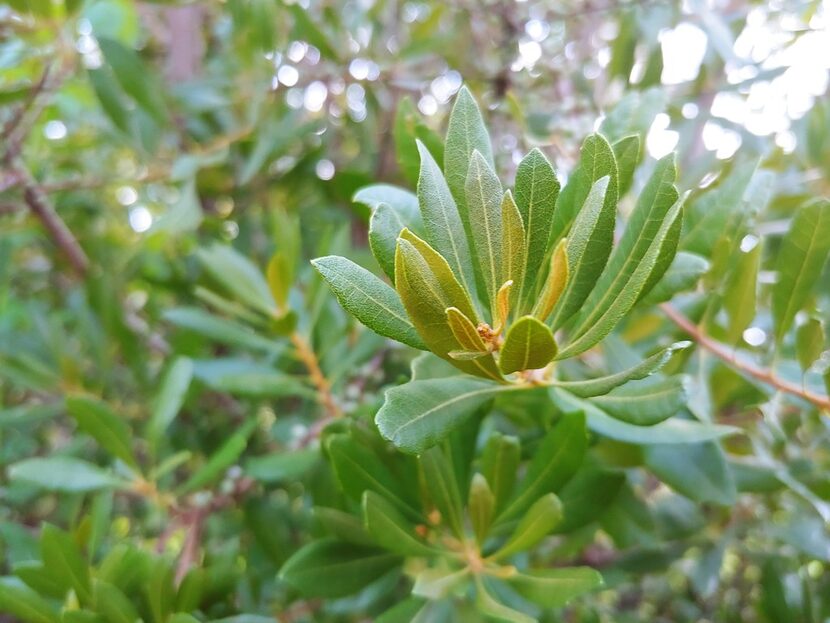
(723, 352)
(312, 364)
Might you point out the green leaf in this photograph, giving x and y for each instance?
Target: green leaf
(135, 77)
(111, 97)
(24, 604)
(555, 461)
(529, 345)
(113, 604)
(344, 526)
(800, 261)
(481, 507)
(95, 418)
(170, 397)
(627, 297)
(627, 153)
(465, 332)
(587, 495)
(604, 384)
(466, 133)
(499, 465)
(219, 329)
(368, 299)
(514, 248)
(484, 197)
(809, 342)
(535, 525)
(489, 606)
(442, 486)
(589, 244)
(682, 274)
(646, 402)
(537, 190)
(652, 208)
(698, 471)
(219, 461)
(65, 474)
(330, 569)
(672, 431)
(282, 466)
(553, 588)
(36, 577)
(237, 275)
(740, 293)
(408, 127)
(442, 222)
(437, 582)
(390, 529)
(419, 414)
(64, 561)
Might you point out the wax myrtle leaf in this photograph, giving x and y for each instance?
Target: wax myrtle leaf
(484, 198)
(63, 473)
(25, 604)
(801, 259)
(627, 153)
(465, 332)
(740, 293)
(645, 402)
(553, 588)
(809, 342)
(514, 249)
(537, 190)
(499, 464)
(390, 529)
(481, 507)
(684, 272)
(110, 430)
(408, 126)
(488, 605)
(368, 299)
(555, 283)
(698, 471)
(442, 487)
(64, 561)
(535, 525)
(529, 345)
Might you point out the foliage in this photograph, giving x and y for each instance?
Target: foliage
(536, 371)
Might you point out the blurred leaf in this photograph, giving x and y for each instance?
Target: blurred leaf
(442, 487)
(809, 340)
(390, 529)
(553, 588)
(499, 464)
(22, 602)
(170, 397)
(220, 460)
(645, 402)
(699, 471)
(542, 517)
(134, 77)
(95, 418)
(481, 507)
(494, 609)
(64, 474)
(64, 561)
(739, 294)
(285, 466)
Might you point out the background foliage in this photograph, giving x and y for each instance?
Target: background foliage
(184, 405)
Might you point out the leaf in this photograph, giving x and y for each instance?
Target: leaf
(801, 259)
(535, 525)
(555, 283)
(21, 602)
(220, 460)
(589, 244)
(529, 345)
(282, 466)
(368, 299)
(95, 418)
(442, 487)
(465, 332)
(809, 342)
(65, 474)
(698, 471)
(739, 295)
(219, 329)
(627, 153)
(553, 588)
(134, 77)
(465, 133)
(537, 190)
(437, 582)
(419, 414)
(484, 197)
(587, 495)
(604, 384)
(646, 402)
(111, 97)
(682, 274)
(672, 431)
(499, 465)
(514, 249)
(407, 127)
(170, 397)
(489, 606)
(236, 274)
(390, 529)
(555, 461)
(442, 222)
(64, 561)
(652, 208)
(627, 297)
(481, 507)
(113, 604)
(330, 569)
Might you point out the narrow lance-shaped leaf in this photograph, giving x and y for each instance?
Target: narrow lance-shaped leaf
(390, 529)
(494, 609)
(484, 199)
(481, 505)
(442, 223)
(801, 259)
(368, 299)
(529, 345)
(553, 588)
(539, 520)
(537, 190)
(683, 273)
(646, 402)
(514, 249)
(442, 486)
(589, 244)
(64, 561)
(104, 425)
(809, 342)
(740, 293)
(499, 464)
(555, 283)
(465, 331)
(627, 154)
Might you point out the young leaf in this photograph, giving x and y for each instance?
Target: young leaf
(499, 465)
(442, 223)
(331, 569)
(390, 529)
(484, 197)
(419, 414)
(553, 588)
(514, 247)
(740, 293)
(644, 403)
(529, 345)
(465, 332)
(466, 133)
(556, 459)
(604, 384)
(481, 506)
(442, 486)
(95, 418)
(63, 473)
(555, 283)
(64, 561)
(809, 342)
(589, 244)
(539, 520)
(537, 190)
(802, 256)
(368, 299)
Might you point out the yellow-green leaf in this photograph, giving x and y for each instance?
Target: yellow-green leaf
(529, 345)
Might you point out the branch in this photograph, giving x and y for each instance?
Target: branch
(312, 364)
(723, 352)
